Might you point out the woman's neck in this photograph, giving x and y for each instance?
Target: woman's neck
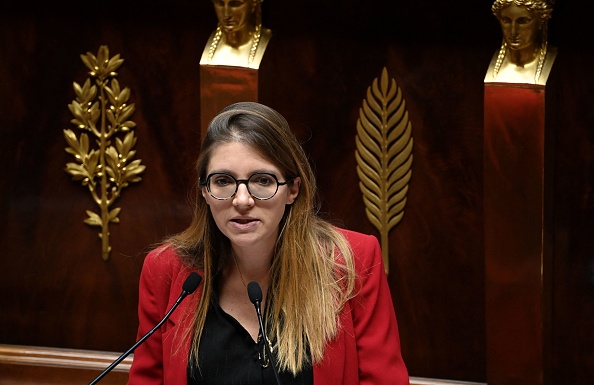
(253, 265)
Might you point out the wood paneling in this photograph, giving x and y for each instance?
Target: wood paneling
(29, 365)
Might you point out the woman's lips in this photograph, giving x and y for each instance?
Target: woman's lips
(244, 223)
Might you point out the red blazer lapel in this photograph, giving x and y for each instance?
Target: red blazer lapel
(176, 340)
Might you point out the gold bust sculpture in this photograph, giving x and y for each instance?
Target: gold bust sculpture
(524, 56)
(239, 39)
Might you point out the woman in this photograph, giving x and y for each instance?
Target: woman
(239, 39)
(327, 311)
(524, 51)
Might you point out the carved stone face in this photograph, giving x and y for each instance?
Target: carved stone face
(233, 15)
(520, 27)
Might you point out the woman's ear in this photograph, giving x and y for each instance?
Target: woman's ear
(293, 190)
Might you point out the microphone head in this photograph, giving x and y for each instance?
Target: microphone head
(254, 292)
(191, 283)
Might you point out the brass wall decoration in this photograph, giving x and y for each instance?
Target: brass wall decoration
(101, 110)
(384, 156)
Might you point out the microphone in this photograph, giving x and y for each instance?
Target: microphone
(190, 285)
(255, 294)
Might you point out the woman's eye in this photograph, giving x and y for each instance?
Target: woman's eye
(222, 181)
(263, 180)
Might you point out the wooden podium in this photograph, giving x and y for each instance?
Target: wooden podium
(518, 198)
(221, 86)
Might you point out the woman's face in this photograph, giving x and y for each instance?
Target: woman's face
(233, 15)
(520, 27)
(247, 221)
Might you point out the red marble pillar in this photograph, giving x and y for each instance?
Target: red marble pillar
(517, 199)
(221, 86)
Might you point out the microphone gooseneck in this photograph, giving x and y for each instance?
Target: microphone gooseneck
(255, 294)
(190, 285)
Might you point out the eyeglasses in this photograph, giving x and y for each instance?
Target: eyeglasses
(261, 185)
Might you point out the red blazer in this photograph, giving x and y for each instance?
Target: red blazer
(366, 350)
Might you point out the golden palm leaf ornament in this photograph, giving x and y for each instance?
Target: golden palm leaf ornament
(384, 156)
(101, 110)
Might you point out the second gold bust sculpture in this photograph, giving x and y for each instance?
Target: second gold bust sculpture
(525, 56)
(239, 40)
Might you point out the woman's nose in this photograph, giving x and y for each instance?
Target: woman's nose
(243, 196)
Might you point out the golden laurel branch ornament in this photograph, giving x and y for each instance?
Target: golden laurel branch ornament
(101, 110)
(384, 156)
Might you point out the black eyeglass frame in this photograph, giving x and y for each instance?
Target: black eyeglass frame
(246, 182)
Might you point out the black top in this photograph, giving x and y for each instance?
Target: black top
(229, 355)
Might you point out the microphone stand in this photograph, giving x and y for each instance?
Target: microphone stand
(190, 285)
(255, 294)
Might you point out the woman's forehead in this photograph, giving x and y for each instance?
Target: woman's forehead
(239, 156)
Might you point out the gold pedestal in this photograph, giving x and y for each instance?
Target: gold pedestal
(518, 249)
(221, 86)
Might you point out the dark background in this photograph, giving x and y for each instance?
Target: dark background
(57, 290)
